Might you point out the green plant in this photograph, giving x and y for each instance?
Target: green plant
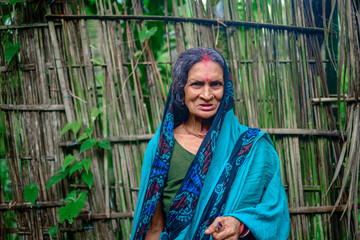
(71, 164)
(10, 51)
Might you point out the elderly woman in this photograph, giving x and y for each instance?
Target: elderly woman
(204, 175)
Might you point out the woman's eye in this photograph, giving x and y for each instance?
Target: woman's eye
(216, 83)
(196, 84)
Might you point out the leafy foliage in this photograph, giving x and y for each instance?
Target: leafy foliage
(89, 130)
(65, 129)
(2, 130)
(56, 178)
(68, 160)
(88, 178)
(87, 144)
(83, 136)
(5, 182)
(86, 163)
(104, 144)
(53, 231)
(146, 34)
(16, 1)
(31, 192)
(95, 113)
(75, 126)
(11, 50)
(71, 197)
(72, 209)
(75, 167)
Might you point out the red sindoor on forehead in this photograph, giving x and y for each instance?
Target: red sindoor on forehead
(206, 58)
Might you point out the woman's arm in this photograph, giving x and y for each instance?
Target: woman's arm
(157, 224)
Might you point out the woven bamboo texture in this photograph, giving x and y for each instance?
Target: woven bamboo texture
(296, 74)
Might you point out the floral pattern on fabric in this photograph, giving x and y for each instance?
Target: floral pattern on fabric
(216, 203)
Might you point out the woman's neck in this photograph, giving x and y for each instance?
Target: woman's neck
(198, 125)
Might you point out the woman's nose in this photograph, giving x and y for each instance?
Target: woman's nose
(207, 93)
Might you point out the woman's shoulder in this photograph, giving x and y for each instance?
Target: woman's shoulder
(234, 127)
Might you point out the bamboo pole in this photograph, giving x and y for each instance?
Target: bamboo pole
(177, 19)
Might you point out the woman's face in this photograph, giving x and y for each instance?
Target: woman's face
(204, 89)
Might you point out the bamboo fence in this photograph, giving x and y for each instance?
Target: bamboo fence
(282, 59)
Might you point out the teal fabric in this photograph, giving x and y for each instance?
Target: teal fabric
(179, 165)
(257, 197)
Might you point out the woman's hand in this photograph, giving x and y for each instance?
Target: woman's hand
(225, 228)
(157, 224)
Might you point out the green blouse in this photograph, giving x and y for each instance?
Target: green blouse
(179, 165)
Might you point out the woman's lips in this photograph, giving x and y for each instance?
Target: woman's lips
(207, 107)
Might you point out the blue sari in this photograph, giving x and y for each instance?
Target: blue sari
(234, 173)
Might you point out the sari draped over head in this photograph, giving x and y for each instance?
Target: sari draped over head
(235, 173)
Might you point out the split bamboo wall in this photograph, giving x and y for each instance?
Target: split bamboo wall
(282, 59)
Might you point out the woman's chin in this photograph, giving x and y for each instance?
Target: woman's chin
(205, 114)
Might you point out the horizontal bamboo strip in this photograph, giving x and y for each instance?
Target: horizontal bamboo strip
(309, 30)
(317, 209)
(102, 216)
(84, 186)
(302, 132)
(116, 215)
(26, 231)
(239, 61)
(278, 61)
(47, 158)
(333, 100)
(24, 26)
(128, 138)
(23, 67)
(32, 66)
(271, 131)
(27, 205)
(40, 107)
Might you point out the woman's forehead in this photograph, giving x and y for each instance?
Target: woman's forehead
(206, 69)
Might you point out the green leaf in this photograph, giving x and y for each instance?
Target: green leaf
(11, 50)
(105, 144)
(75, 167)
(53, 231)
(60, 170)
(71, 197)
(72, 209)
(87, 144)
(146, 34)
(89, 130)
(65, 129)
(2, 130)
(96, 61)
(56, 178)
(68, 160)
(138, 52)
(82, 137)
(86, 163)
(15, 1)
(95, 113)
(88, 178)
(75, 126)
(30, 193)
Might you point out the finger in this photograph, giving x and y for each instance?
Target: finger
(214, 226)
(225, 234)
